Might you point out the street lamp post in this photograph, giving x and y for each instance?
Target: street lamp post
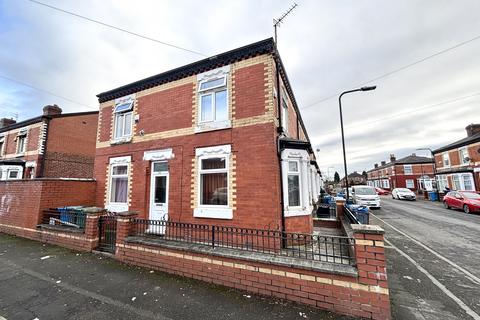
(369, 88)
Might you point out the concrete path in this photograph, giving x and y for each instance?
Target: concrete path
(433, 260)
(47, 282)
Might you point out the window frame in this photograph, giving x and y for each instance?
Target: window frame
(123, 116)
(462, 159)
(285, 118)
(295, 173)
(112, 176)
(21, 137)
(405, 166)
(9, 171)
(2, 145)
(470, 179)
(118, 161)
(212, 93)
(212, 171)
(413, 184)
(446, 156)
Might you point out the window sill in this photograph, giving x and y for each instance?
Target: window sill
(211, 126)
(121, 141)
(296, 212)
(117, 207)
(213, 213)
(21, 154)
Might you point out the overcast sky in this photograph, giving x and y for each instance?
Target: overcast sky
(326, 46)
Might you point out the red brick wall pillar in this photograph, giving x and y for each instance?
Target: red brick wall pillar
(91, 228)
(124, 225)
(340, 204)
(372, 269)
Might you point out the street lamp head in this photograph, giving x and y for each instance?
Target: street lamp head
(368, 88)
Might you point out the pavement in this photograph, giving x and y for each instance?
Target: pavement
(48, 282)
(433, 257)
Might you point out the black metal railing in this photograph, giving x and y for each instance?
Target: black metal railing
(333, 249)
(68, 218)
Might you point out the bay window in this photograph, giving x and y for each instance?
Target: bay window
(467, 180)
(293, 175)
(295, 167)
(213, 183)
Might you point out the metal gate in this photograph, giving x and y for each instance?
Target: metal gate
(107, 233)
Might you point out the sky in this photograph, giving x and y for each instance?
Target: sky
(326, 46)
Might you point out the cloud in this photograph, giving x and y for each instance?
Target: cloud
(327, 47)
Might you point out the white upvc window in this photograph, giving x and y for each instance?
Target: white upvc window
(446, 159)
(123, 118)
(410, 184)
(118, 184)
(407, 169)
(442, 182)
(2, 144)
(463, 155)
(295, 166)
(467, 181)
(13, 174)
(284, 112)
(213, 182)
(21, 142)
(456, 182)
(213, 100)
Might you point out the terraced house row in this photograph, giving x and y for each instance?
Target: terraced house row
(219, 141)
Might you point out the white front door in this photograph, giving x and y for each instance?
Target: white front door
(159, 193)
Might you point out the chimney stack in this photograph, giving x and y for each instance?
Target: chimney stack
(376, 165)
(383, 163)
(472, 129)
(52, 110)
(414, 155)
(392, 158)
(5, 122)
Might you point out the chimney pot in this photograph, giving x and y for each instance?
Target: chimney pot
(473, 129)
(5, 122)
(413, 154)
(51, 110)
(383, 163)
(375, 165)
(392, 158)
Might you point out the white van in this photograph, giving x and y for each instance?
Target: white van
(366, 196)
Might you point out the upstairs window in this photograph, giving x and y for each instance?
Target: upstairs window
(463, 155)
(213, 99)
(446, 159)
(284, 112)
(2, 143)
(21, 142)
(123, 119)
(407, 169)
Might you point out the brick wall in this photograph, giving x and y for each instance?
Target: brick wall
(22, 201)
(57, 164)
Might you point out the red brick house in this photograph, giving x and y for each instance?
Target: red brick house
(219, 141)
(413, 172)
(354, 179)
(458, 163)
(53, 145)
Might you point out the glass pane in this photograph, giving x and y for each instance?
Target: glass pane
(293, 190)
(161, 189)
(119, 190)
(118, 126)
(160, 166)
(213, 163)
(128, 124)
(206, 108)
(126, 106)
(293, 166)
(212, 83)
(214, 189)
(13, 174)
(221, 106)
(117, 170)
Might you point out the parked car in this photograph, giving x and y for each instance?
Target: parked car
(366, 196)
(465, 200)
(381, 191)
(403, 194)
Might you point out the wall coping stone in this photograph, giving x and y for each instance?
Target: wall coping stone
(367, 228)
(60, 228)
(127, 214)
(318, 266)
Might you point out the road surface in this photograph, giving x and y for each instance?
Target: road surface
(433, 260)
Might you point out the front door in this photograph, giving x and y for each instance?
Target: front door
(159, 194)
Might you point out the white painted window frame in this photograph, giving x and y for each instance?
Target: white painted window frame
(299, 174)
(405, 166)
(213, 211)
(22, 136)
(460, 155)
(446, 156)
(413, 183)
(303, 158)
(116, 162)
(470, 178)
(120, 117)
(284, 111)
(2, 145)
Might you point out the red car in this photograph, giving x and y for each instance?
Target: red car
(468, 201)
(381, 191)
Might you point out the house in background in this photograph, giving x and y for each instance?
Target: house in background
(458, 163)
(354, 179)
(219, 141)
(413, 172)
(53, 145)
